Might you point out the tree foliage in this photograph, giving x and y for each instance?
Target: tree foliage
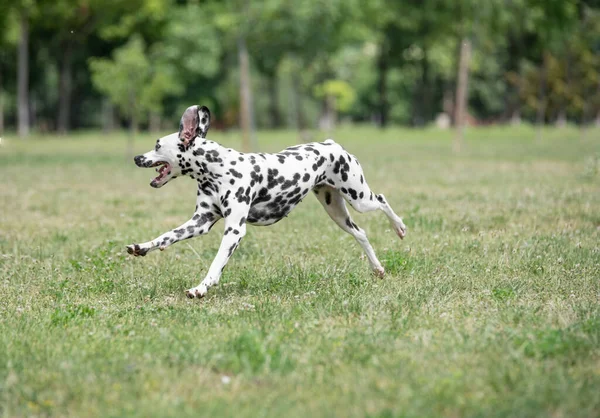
(382, 60)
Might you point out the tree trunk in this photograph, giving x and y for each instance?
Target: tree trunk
(328, 119)
(133, 129)
(64, 90)
(426, 107)
(300, 116)
(154, 124)
(23, 78)
(597, 121)
(133, 126)
(382, 69)
(515, 117)
(274, 100)
(108, 116)
(1, 105)
(462, 92)
(561, 118)
(421, 95)
(448, 102)
(245, 97)
(542, 100)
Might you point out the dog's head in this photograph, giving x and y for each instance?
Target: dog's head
(164, 157)
(168, 155)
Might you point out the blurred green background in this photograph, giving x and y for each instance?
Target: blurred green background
(71, 64)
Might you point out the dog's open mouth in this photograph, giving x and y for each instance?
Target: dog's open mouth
(163, 169)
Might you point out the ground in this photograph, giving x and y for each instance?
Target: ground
(490, 306)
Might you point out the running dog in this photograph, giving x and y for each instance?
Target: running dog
(257, 189)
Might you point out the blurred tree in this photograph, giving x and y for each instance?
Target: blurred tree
(133, 85)
(308, 34)
(532, 59)
(554, 19)
(24, 10)
(69, 23)
(192, 52)
(4, 47)
(340, 97)
(234, 19)
(585, 48)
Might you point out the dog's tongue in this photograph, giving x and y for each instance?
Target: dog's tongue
(161, 173)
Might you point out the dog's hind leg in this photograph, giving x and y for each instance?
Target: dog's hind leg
(378, 201)
(334, 204)
(348, 178)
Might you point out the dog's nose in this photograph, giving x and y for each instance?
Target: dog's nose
(138, 159)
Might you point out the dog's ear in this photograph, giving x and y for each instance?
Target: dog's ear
(203, 121)
(195, 121)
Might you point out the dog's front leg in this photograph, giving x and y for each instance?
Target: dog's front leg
(235, 229)
(199, 224)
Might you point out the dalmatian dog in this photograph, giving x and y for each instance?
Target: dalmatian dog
(257, 189)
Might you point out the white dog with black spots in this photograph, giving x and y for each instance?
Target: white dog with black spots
(257, 189)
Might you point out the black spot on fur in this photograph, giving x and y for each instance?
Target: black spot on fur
(349, 223)
(231, 249)
(289, 183)
(263, 196)
(256, 178)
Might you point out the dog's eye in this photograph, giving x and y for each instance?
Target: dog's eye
(157, 146)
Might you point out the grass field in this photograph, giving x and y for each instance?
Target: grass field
(490, 306)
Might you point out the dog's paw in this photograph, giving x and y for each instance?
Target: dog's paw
(379, 272)
(401, 230)
(196, 292)
(136, 250)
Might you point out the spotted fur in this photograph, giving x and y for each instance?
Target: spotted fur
(259, 189)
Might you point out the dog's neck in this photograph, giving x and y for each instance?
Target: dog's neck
(206, 162)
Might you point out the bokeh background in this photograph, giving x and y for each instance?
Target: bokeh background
(310, 64)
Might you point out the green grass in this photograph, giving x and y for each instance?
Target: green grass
(491, 305)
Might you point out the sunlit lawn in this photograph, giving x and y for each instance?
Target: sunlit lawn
(491, 305)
